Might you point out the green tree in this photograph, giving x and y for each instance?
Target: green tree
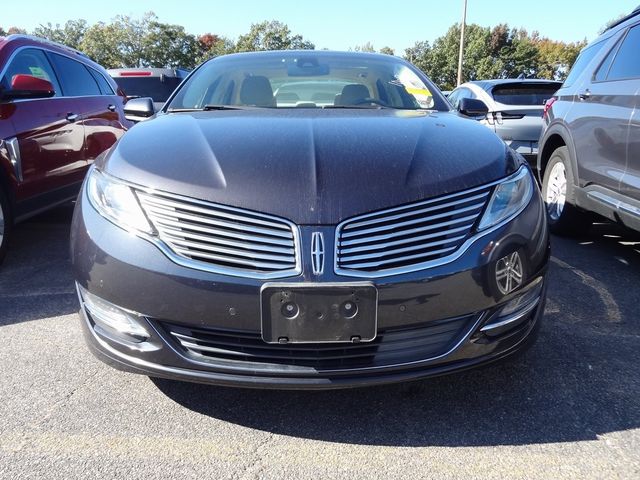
(211, 45)
(166, 45)
(367, 47)
(387, 51)
(271, 35)
(71, 34)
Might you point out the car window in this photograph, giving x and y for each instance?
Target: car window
(158, 88)
(30, 61)
(74, 76)
(460, 93)
(315, 79)
(626, 63)
(105, 87)
(603, 69)
(529, 94)
(582, 61)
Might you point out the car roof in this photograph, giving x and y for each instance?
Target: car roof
(150, 71)
(633, 14)
(488, 85)
(32, 39)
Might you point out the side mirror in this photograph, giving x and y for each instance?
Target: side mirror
(139, 109)
(28, 86)
(472, 107)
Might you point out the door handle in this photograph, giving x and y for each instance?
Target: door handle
(72, 117)
(111, 107)
(584, 95)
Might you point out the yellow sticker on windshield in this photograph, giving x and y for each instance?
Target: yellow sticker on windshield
(418, 91)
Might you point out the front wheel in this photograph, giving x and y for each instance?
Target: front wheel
(559, 196)
(6, 222)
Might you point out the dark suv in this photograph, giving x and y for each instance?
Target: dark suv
(58, 111)
(589, 156)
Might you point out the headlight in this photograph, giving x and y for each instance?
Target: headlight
(508, 199)
(116, 202)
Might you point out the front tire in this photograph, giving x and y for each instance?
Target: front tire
(558, 192)
(6, 223)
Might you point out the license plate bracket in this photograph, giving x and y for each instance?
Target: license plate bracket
(319, 313)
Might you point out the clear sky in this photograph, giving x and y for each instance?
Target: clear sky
(339, 24)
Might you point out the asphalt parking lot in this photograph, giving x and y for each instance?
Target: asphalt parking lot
(568, 408)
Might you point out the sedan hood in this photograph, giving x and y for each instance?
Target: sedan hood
(312, 167)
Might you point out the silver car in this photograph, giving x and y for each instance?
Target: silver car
(515, 109)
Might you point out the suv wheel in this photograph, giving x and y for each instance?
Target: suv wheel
(559, 196)
(5, 224)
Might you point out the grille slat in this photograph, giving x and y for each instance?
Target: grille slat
(182, 235)
(219, 211)
(214, 220)
(182, 226)
(233, 251)
(408, 237)
(411, 212)
(222, 239)
(396, 251)
(439, 227)
(406, 223)
(391, 346)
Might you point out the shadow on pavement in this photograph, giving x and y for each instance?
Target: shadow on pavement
(579, 381)
(35, 278)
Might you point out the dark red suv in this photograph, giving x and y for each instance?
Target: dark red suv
(58, 111)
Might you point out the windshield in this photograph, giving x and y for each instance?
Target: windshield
(158, 88)
(308, 80)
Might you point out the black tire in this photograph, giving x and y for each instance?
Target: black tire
(6, 224)
(567, 220)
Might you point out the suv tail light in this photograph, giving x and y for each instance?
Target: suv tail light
(547, 106)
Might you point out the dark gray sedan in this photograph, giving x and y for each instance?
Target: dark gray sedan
(256, 235)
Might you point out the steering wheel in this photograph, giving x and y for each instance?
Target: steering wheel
(370, 100)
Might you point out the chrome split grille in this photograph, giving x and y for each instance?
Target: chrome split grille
(409, 236)
(224, 239)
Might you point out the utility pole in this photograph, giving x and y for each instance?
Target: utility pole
(461, 54)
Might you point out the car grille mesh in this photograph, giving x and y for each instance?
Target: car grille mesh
(228, 239)
(391, 347)
(413, 235)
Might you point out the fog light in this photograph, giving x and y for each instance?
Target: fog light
(515, 312)
(113, 320)
(509, 273)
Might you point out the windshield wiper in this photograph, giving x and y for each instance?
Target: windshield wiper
(359, 107)
(208, 107)
(224, 107)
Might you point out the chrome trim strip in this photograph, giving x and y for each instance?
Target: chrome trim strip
(13, 149)
(412, 212)
(380, 246)
(464, 337)
(167, 225)
(431, 263)
(613, 202)
(357, 241)
(151, 211)
(398, 251)
(393, 260)
(477, 206)
(184, 236)
(514, 317)
(284, 258)
(161, 202)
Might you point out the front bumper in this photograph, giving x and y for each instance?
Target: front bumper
(429, 322)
